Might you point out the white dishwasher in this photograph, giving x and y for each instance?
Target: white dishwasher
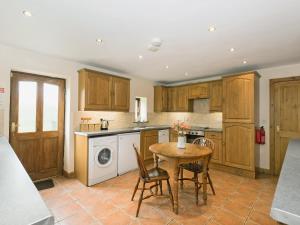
(163, 136)
(126, 155)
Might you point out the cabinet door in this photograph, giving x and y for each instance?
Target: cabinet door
(215, 96)
(173, 135)
(160, 99)
(216, 137)
(182, 104)
(120, 94)
(238, 104)
(97, 91)
(198, 91)
(172, 99)
(148, 138)
(239, 145)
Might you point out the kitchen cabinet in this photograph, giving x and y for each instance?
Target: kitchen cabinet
(215, 96)
(172, 99)
(99, 91)
(148, 137)
(183, 104)
(173, 135)
(196, 91)
(160, 99)
(239, 145)
(216, 137)
(120, 94)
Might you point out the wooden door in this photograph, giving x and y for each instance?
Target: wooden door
(215, 96)
(94, 90)
(120, 94)
(239, 145)
(216, 137)
(37, 123)
(160, 99)
(198, 91)
(172, 99)
(182, 101)
(286, 118)
(148, 138)
(238, 94)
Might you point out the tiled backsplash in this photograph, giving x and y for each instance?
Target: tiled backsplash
(200, 117)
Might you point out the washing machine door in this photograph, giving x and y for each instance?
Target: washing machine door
(103, 156)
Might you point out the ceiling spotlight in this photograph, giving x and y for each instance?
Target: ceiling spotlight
(167, 67)
(140, 57)
(245, 62)
(232, 49)
(186, 74)
(212, 29)
(27, 13)
(98, 41)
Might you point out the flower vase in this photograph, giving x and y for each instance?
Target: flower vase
(181, 142)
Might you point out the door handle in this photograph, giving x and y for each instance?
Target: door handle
(277, 128)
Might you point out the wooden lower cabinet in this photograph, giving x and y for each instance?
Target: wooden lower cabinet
(173, 135)
(239, 145)
(216, 137)
(148, 137)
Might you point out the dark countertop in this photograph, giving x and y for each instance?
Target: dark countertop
(21, 203)
(286, 203)
(213, 130)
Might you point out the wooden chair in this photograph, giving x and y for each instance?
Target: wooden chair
(155, 175)
(197, 168)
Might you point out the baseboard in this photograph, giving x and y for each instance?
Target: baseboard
(68, 175)
(236, 171)
(263, 171)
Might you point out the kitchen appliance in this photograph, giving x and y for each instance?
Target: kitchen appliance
(126, 155)
(104, 124)
(103, 161)
(163, 136)
(195, 132)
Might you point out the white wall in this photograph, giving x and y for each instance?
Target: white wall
(28, 61)
(264, 104)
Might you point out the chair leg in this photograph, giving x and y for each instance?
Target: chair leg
(170, 193)
(135, 189)
(211, 184)
(160, 187)
(181, 177)
(140, 200)
(196, 186)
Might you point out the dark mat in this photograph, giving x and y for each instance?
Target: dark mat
(45, 184)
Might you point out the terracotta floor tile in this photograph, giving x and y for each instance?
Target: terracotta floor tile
(237, 208)
(226, 217)
(262, 206)
(117, 218)
(262, 218)
(79, 218)
(59, 201)
(102, 210)
(65, 211)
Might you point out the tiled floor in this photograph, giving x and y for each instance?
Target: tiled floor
(238, 200)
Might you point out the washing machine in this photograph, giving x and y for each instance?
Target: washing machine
(103, 159)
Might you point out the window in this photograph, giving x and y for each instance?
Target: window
(141, 109)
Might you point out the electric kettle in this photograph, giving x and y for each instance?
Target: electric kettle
(104, 124)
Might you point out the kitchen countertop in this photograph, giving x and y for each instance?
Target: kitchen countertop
(213, 130)
(122, 130)
(286, 203)
(20, 202)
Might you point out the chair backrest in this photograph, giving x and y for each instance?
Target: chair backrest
(140, 161)
(205, 142)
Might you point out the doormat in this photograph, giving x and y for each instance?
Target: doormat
(45, 184)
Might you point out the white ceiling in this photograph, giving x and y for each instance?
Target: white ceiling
(264, 32)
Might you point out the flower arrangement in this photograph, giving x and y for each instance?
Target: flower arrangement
(181, 127)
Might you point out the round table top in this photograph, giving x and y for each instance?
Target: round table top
(170, 150)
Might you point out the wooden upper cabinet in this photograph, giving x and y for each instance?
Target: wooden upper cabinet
(238, 94)
(182, 101)
(172, 99)
(215, 95)
(102, 92)
(239, 145)
(198, 91)
(120, 94)
(160, 99)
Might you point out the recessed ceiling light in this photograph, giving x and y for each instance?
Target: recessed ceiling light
(27, 13)
(245, 62)
(167, 67)
(232, 49)
(212, 28)
(140, 57)
(186, 74)
(99, 41)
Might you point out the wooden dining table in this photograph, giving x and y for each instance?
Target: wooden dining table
(176, 156)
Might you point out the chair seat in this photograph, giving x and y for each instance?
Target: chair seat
(158, 173)
(192, 167)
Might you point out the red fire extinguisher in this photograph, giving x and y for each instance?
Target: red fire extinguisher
(260, 136)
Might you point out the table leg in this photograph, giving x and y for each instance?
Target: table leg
(175, 185)
(204, 180)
